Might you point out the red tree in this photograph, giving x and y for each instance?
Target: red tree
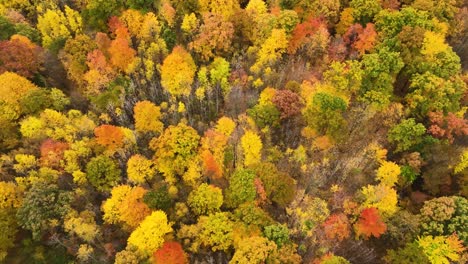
(370, 223)
(170, 252)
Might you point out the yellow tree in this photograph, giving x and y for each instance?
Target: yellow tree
(226, 8)
(11, 198)
(149, 236)
(252, 147)
(272, 50)
(125, 206)
(12, 89)
(175, 149)
(82, 225)
(255, 249)
(140, 169)
(177, 72)
(382, 197)
(147, 117)
(56, 26)
(388, 173)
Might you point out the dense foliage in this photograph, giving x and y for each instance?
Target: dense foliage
(233, 131)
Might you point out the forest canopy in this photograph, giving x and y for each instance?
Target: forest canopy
(233, 131)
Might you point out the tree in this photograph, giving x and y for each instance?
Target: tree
(365, 10)
(11, 198)
(177, 72)
(241, 188)
(217, 231)
(97, 12)
(121, 54)
(147, 117)
(109, 136)
(212, 152)
(289, 103)
(9, 228)
(226, 8)
(206, 199)
(74, 55)
(140, 169)
(149, 235)
(366, 39)
(447, 126)
(13, 89)
(56, 27)
(175, 149)
(103, 173)
(370, 223)
(382, 197)
(265, 115)
(170, 252)
(429, 93)
(158, 199)
(81, 225)
(52, 152)
(388, 173)
(310, 38)
(255, 249)
(43, 206)
(333, 259)
(441, 249)
(278, 234)
(407, 134)
(337, 227)
(279, 186)
(307, 213)
(380, 69)
(410, 253)
(126, 206)
(444, 216)
(214, 37)
(252, 147)
(324, 113)
(21, 56)
(271, 51)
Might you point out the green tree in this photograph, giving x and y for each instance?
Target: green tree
(241, 188)
(103, 173)
(325, 113)
(407, 134)
(429, 93)
(206, 199)
(365, 10)
(158, 199)
(44, 206)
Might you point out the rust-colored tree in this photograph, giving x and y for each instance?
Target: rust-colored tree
(447, 127)
(337, 227)
(214, 37)
(52, 152)
(171, 252)
(21, 56)
(288, 102)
